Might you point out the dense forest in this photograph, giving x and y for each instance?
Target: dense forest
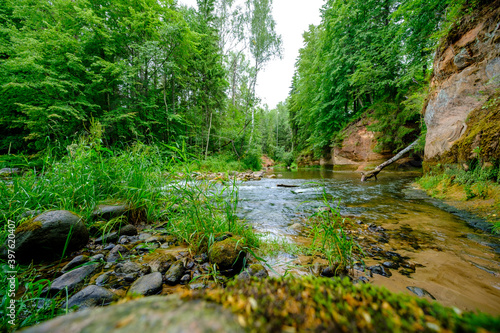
(155, 71)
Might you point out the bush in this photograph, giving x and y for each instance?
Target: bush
(252, 161)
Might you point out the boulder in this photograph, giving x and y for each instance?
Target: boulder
(128, 267)
(107, 212)
(152, 315)
(147, 285)
(228, 253)
(45, 236)
(175, 273)
(73, 278)
(91, 296)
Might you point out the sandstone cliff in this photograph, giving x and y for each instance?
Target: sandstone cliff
(462, 113)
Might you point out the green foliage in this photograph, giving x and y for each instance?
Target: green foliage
(367, 56)
(311, 304)
(252, 161)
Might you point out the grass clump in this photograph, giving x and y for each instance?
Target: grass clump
(311, 304)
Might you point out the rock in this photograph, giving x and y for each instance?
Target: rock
(244, 276)
(110, 246)
(77, 261)
(390, 264)
(147, 285)
(228, 253)
(258, 271)
(110, 237)
(185, 279)
(334, 270)
(107, 212)
(128, 230)
(466, 74)
(46, 236)
(97, 257)
(91, 296)
(73, 278)
(128, 267)
(155, 239)
(377, 269)
(103, 279)
(155, 314)
(118, 252)
(420, 292)
(7, 172)
(131, 277)
(175, 273)
(162, 263)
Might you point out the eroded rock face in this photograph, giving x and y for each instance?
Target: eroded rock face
(45, 236)
(466, 74)
(152, 314)
(357, 146)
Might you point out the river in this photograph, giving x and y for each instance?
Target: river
(457, 263)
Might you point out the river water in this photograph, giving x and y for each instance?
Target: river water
(457, 263)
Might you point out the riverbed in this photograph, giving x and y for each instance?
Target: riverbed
(456, 262)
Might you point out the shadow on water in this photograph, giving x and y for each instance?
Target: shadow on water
(461, 262)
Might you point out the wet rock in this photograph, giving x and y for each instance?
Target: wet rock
(377, 269)
(128, 267)
(107, 212)
(390, 264)
(334, 270)
(156, 239)
(131, 277)
(73, 278)
(406, 271)
(46, 236)
(97, 257)
(128, 230)
(8, 172)
(244, 276)
(111, 237)
(197, 286)
(258, 271)
(118, 252)
(420, 292)
(363, 279)
(162, 263)
(155, 314)
(91, 296)
(185, 279)
(103, 279)
(123, 240)
(228, 253)
(147, 285)
(144, 236)
(201, 258)
(393, 256)
(175, 273)
(110, 246)
(77, 261)
(145, 269)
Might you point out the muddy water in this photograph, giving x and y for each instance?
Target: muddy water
(457, 263)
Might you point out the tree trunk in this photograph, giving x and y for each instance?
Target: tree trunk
(208, 137)
(374, 173)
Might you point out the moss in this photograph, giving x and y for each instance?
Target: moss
(333, 305)
(29, 225)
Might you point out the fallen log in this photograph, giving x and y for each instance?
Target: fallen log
(283, 185)
(369, 174)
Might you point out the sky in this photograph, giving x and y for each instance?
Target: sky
(292, 17)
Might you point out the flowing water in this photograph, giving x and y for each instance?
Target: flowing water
(458, 263)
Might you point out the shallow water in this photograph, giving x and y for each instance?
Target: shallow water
(457, 263)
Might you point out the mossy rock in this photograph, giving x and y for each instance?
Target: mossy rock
(312, 304)
(50, 235)
(228, 253)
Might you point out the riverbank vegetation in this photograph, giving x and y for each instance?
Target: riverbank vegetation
(474, 187)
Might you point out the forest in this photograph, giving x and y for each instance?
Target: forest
(157, 72)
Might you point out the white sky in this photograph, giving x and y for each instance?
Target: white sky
(292, 17)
